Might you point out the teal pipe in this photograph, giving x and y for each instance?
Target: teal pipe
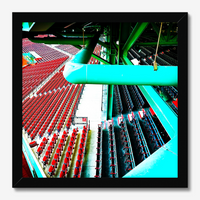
(84, 55)
(121, 75)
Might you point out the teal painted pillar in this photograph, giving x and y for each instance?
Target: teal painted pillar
(111, 87)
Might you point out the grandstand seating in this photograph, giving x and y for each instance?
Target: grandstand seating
(127, 146)
(34, 75)
(47, 53)
(119, 105)
(112, 152)
(81, 153)
(139, 136)
(136, 96)
(99, 153)
(127, 98)
(154, 135)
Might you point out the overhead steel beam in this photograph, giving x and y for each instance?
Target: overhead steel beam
(52, 40)
(163, 43)
(100, 59)
(72, 34)
(103, 44)
(137, 31)
(165, 114)
(41, 26)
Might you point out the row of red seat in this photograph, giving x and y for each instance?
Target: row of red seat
(49, 150)
(47, 118)
(37, 104)
(68, 155)
(40, 120)
(68, 107)
(36, 74)
(58, 152)
(57, 81)
(52, 110)
(61, 109)
(41, 115)
(32, 113)
(81, 152)
(42, 146)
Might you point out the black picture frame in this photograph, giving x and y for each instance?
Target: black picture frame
(19, 182)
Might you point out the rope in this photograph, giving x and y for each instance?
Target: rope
(154, 63)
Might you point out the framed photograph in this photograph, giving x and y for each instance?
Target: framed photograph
(100, 100)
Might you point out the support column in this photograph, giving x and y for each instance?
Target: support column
(111, 87)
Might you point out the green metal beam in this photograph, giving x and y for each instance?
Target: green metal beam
(137, 31)
(52, 40)
(103, 44)
(72, 34)
(169, 43)
(100, 59)
(126, 61)
(119, 46)
(164, 113)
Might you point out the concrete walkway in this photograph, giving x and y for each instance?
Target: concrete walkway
(90, 106)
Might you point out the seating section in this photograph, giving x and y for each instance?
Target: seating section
(139, 137)
(136, 96)
(127, 99)
(34, 75)
(57, 81)
(127, 146)
(73, 50)
(119, 106)
(49, 150)
(173, 93)
(113, 152)
(99, 152)
(50, 111)
(69, 153)
(47, 53)
(153, 132)
(81, 153)
(146, 55)
(68, 48)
